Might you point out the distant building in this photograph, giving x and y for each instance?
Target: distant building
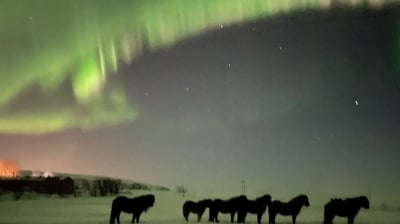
(8, 169)
(42, 174)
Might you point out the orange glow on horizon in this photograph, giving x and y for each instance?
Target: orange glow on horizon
(8, 169)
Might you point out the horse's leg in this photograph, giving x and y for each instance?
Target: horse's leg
(118, 214)
(210, 215)
(259, 215)
(242, 217)
(232, 217)
(294, 219)
(271, 217)
(350, 220)
(185, 214)
(239, 217)
(199, 216)
(133, 217)
(328, 218)
(328, 215)
(112, 217)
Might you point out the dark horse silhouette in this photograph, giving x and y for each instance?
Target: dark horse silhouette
(231, 206)
(135, 206)
(344, 208)
(292, 208)
(195, 207)
(257, 206)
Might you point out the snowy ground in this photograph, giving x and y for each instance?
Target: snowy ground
(167, 209)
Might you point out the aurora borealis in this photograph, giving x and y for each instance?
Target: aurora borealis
(292, 96)
(46, 43)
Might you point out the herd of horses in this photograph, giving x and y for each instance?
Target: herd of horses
(241, 206)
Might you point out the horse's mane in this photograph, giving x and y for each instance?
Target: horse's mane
(146, 201)
(359, 198)
(205, 201)
(218, 200)
(147, 197)
(336, 200)
(298, 198)
(363, 200)
(362, 197)
(239, 197)
(264, 198)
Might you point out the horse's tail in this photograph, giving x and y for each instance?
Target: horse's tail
(113, 213)
(211, 213)
(327, 215)
(185, 212)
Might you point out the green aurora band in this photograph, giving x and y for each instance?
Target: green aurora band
(46, 44)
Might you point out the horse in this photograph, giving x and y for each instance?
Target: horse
(292, 208)
(195, 207)
(344, 208)
(258, 206)
(135, 206)
(231, 206)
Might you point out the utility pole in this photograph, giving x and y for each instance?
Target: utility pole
(243, 187)
(369, 192)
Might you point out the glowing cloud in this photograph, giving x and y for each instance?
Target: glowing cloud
(48, 44)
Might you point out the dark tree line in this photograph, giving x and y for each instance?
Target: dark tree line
(105, 186)
(77, 187)
(47, 186)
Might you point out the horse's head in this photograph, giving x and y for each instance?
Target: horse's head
(364, 202)
(304, 200)
(300, 200)
(265, 199)
(149, 200)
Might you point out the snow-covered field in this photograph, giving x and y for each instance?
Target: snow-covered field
(167, 209)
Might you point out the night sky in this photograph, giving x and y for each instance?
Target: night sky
(299, 102)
